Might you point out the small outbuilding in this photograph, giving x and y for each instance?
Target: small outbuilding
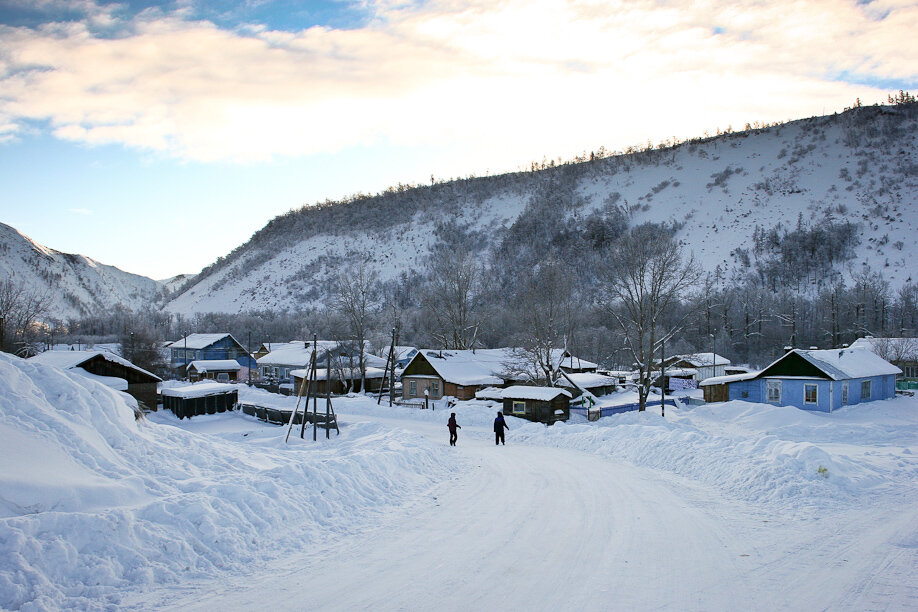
(221, 370)
(203, 398)
(541, 404)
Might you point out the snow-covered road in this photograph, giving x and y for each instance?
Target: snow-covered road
(537, 528)
(522, 527)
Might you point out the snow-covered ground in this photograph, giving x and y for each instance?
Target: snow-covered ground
(712, 508)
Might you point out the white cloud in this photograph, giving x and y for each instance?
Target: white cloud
(502, 81)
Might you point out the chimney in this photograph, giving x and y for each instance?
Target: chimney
(788, 349)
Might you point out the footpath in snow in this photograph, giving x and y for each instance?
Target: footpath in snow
(712, 507)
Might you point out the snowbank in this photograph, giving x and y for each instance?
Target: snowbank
(94, 503)
(782, 457)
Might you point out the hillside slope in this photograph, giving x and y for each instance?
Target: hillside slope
(860, 166)
(76, 284)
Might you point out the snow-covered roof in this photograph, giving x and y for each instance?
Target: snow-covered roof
(837, 364)
(199, 390)
(720, 380)
(487, 366)
(489, 393)
(300, 353)
(66, 360)
(703, 359)
(349, 373)
(478, 367)
(840, 364)
(587, 380)
(563, 359)
(198, 341)
(112, 382)
(213, 365)
(545, 394)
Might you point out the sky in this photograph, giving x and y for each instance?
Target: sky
(158, 136)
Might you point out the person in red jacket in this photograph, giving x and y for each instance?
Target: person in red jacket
(499, 426)
(453, 426)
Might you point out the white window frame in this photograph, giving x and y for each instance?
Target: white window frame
(223, 376)
(412, 388)
(866, 385)
(519, 407)
(435, 389)
(808, 387)
(773, 385)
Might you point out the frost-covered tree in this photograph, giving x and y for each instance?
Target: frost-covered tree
(452, 300)
(356, 298)
(644, 277)
(545, 312)
(21, 310)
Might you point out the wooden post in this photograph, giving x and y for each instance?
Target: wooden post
(663, 384)
(389, 361)
(392, 371)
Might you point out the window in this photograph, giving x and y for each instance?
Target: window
(519, 407)
(844, 394)
(773, 391)
(865, 390)
(911, 371)
(223, 377)
(810, 393)
(413, 388)
(435, 389)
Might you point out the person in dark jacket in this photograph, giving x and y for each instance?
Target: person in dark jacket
(499, 426)
(453, 426)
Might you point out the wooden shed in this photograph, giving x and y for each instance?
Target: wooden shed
(541, 404)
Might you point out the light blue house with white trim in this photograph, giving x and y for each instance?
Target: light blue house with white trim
(823, 380)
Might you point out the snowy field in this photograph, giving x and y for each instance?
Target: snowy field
(712, 508)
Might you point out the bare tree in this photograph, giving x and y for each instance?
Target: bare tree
(545, 311)
(453, 297)
(642, 283)
(356, 298)
(21, 309)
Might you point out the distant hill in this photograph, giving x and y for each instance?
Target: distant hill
(729, 198)
(76, 284)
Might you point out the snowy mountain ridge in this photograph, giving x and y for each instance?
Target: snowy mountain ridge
(76, 284)
(860, 167)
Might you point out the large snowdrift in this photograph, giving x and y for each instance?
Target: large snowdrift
(94, 502)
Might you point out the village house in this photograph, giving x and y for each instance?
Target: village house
(206, 347)
(597, 384)
(540, 404)
(343, 380)
(277, 365)
(461, 373)
(109, 369)
(822, 380)
(696, 366)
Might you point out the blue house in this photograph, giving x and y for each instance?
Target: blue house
(823, 380)
(198, 347)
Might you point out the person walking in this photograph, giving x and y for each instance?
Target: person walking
(453, 426)
(499, 426)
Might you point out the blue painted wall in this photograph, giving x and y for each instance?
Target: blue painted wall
(829, 393)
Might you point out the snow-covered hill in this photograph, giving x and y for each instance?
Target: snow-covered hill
(76, 284)
(860, 166)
